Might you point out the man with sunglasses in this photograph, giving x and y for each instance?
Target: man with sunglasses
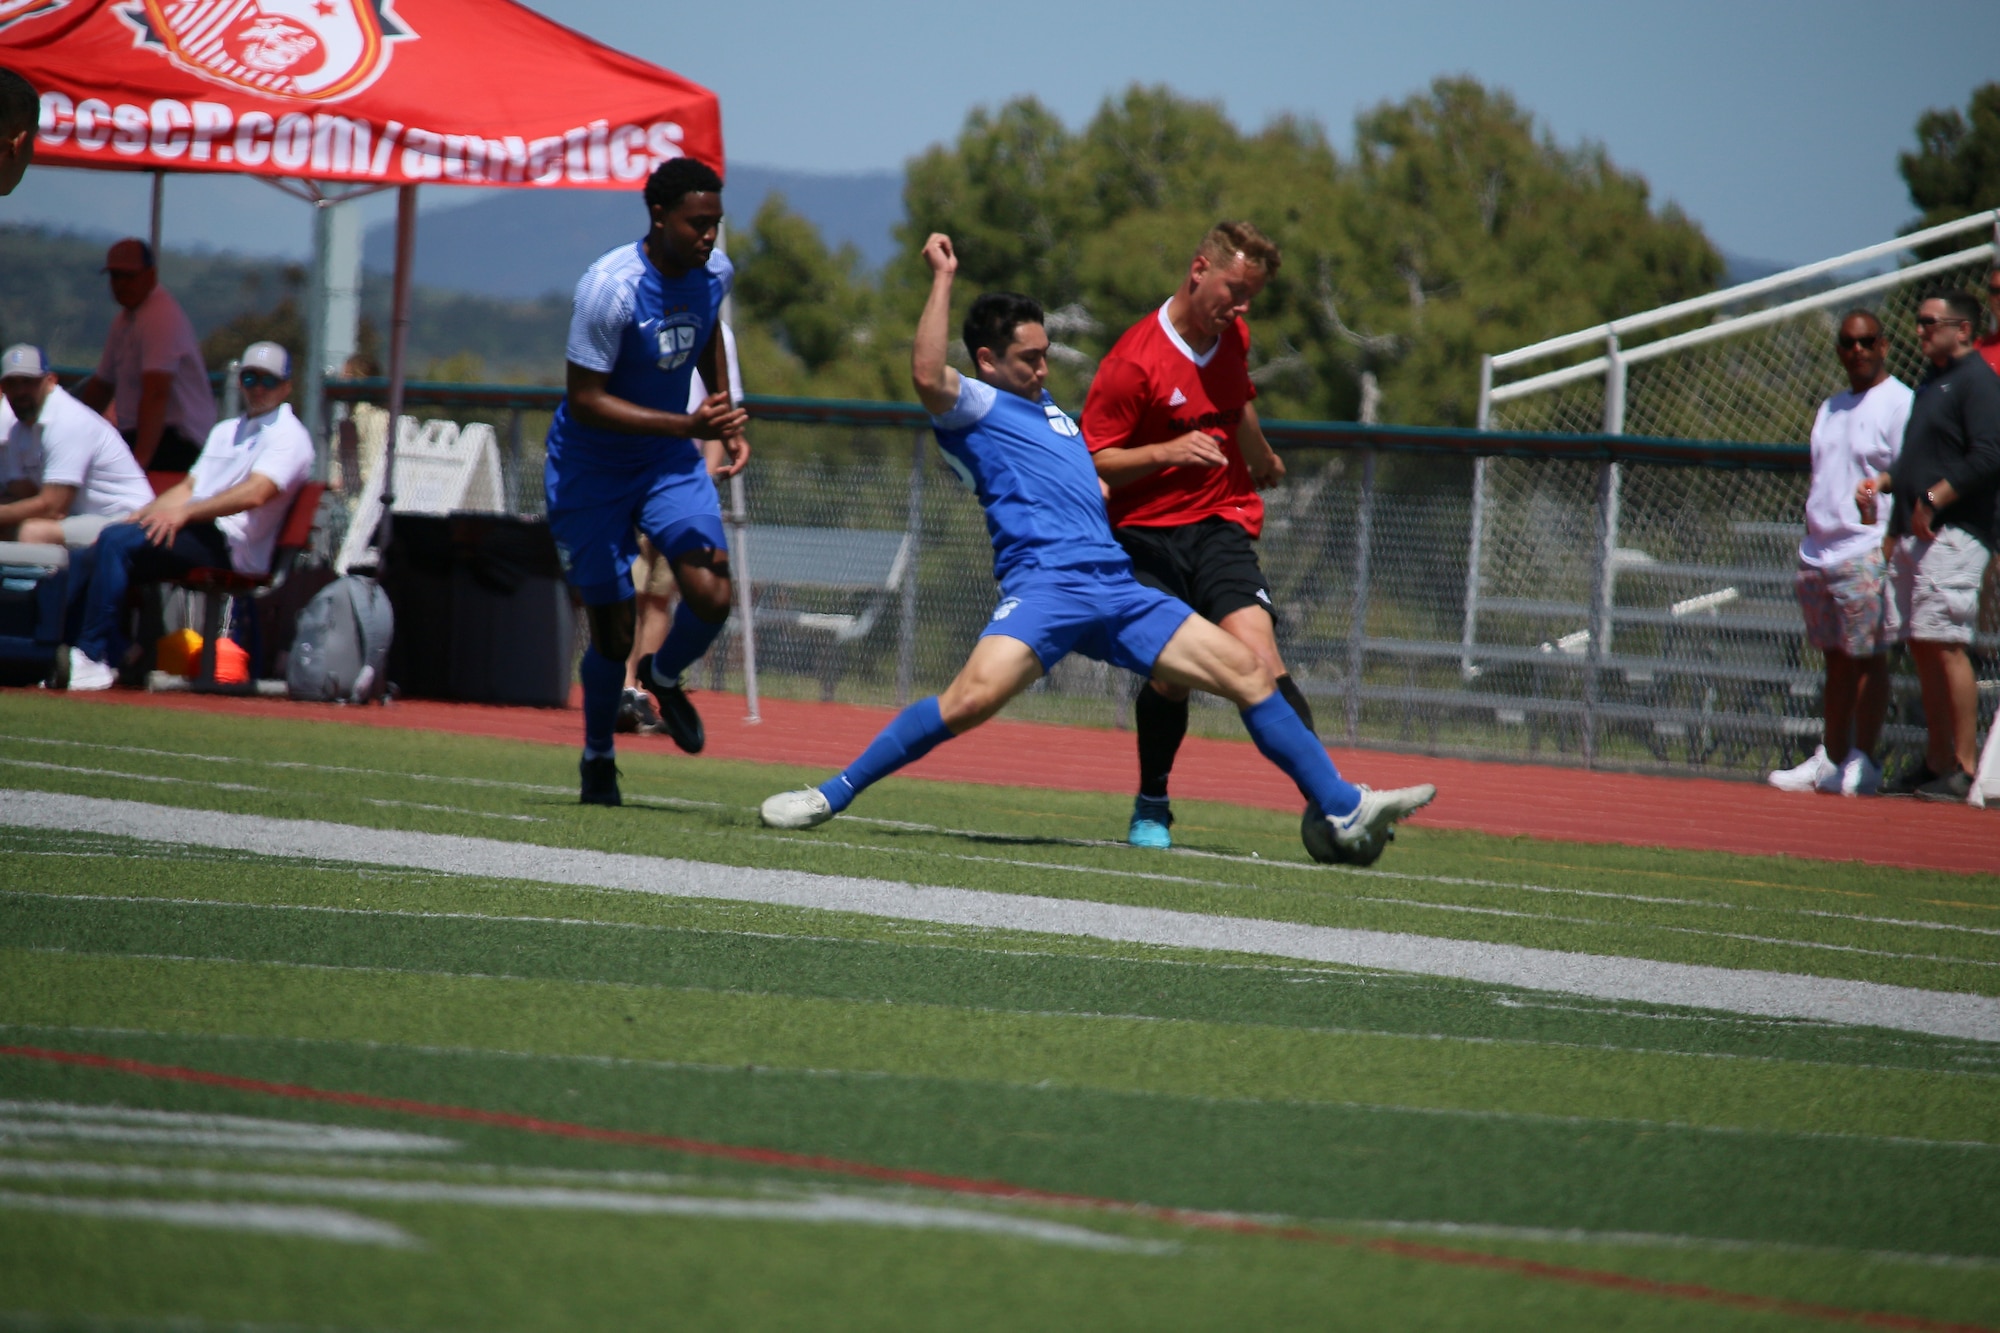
(1842, 571)
(1945, 485)
(225, 513)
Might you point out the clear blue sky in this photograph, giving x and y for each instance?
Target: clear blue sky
(1774, 123)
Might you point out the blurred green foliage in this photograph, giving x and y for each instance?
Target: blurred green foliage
(1453, 227)
(1955, 169)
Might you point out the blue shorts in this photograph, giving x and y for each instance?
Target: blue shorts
(1111, 617)
(596, 514)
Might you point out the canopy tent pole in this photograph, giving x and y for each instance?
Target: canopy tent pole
(399, 342)
(159, 211)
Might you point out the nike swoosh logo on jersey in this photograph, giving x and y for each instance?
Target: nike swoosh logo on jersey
(1177, 399)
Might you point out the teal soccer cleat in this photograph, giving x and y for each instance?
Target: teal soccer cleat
(1150, 819)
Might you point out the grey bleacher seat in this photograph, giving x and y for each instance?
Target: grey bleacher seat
(858, 568)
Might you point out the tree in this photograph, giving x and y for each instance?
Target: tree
(1455, 229)
(1956, 168)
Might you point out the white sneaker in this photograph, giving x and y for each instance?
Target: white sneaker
(89, 674)
(1358, 837)
(1807, 775)
(805, 808)
(1859, 776)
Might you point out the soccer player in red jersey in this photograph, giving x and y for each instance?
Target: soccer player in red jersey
(1170, 426)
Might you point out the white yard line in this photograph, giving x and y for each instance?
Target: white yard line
(1773, 994)
(818, 1207)
(270, 1219)
(34, 1120)
(679, 803)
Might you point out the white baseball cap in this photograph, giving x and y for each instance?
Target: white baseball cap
(24, 360)
(268, 356)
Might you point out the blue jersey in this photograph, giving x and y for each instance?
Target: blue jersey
(645, 331)
(1027, 463)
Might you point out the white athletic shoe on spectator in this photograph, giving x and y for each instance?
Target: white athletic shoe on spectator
(1806, 777)
(805, 808)
(1859, 776)
(88, 674)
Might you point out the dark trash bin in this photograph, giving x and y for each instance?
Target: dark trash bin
(482, 613)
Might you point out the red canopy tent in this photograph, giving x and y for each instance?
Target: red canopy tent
(370, 93)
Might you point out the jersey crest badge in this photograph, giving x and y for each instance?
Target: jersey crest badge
(309, 50)
(675, 339)
(1059, 421)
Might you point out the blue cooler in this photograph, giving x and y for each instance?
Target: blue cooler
(33, 581)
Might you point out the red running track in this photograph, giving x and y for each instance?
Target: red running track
(1516, 800)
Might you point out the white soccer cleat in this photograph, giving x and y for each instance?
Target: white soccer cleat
(1358, 837)
(1859, 776)
(87, 673)
(805, 808)
(1806, 777)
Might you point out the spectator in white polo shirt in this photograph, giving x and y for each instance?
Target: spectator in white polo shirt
(227, 511)
(85, 476)
(151, 367)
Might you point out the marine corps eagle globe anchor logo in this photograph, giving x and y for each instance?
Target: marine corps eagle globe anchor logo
(312, 50)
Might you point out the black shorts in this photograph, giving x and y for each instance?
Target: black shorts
(1210, 564)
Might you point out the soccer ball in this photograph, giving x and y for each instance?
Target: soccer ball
(1318, 837)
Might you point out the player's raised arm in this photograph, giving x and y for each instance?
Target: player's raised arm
(935, 381)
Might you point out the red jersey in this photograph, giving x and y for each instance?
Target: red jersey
(1150, 388)
(1989, 347)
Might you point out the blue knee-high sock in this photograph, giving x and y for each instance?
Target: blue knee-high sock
(916, 731)
(1283, 739)
(603, 689)
(686, 642)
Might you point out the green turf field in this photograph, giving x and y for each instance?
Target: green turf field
(1412, 1150)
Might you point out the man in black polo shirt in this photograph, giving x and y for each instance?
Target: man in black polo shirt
(1945, 484)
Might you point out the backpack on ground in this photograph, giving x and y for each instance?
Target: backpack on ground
(341, 653)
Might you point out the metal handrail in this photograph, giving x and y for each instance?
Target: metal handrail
(1666, 314)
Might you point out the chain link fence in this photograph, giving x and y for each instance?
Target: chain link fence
(1670, 589)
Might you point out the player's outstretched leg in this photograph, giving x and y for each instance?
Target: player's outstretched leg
(999, 668)
(1355, 822)
(1160, 720)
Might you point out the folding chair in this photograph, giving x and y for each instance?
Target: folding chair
(223, 585)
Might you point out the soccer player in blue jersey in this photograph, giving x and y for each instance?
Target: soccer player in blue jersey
(623, 457)
(1066, 585)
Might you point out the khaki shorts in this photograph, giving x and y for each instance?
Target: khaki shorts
(80, 530)
(651, 576)
(1934, 588)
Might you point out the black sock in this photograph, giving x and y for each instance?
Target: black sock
(1296, 697)
(1161, 723)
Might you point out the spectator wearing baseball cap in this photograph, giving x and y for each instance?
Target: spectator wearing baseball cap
(20, 118)
(225, 513)
(85, 477)
(151, 368)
